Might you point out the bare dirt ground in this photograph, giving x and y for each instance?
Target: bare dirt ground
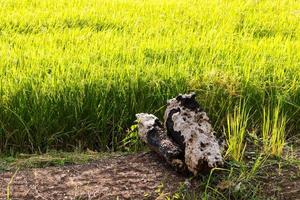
(124, 177)
(282, 183)
(282, 180)
(136, 176)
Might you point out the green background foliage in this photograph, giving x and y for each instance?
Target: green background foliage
(74, 73)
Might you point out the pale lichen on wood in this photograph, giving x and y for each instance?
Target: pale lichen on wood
(188, 125)
(187, 138)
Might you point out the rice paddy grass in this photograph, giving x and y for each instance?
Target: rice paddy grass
(74, 73)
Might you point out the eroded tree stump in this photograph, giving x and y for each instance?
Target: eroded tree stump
(187, 138)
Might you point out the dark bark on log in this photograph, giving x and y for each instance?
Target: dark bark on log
(151, 131)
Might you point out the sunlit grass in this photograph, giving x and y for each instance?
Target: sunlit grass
(273, 131)
(74, 73)
(236, 132)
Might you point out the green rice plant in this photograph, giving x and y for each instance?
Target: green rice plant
(73, 75)
(273, 131)
(132, 142)
(236, 131)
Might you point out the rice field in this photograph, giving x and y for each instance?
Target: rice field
(74, 72)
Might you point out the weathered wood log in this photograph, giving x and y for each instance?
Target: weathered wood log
(188, 125)
(152, 132)
(187, 141)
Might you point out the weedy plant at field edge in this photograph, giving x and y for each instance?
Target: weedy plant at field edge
(273, 131)
(235, 133)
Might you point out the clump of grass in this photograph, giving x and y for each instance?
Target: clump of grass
(273, 131)
(235, 133)
(131, 141)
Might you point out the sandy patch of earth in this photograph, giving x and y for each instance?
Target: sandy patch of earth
(125, 177)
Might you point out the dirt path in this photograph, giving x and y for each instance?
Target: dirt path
(123, 177)
(136, 176)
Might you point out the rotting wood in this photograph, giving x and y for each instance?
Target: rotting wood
(187, 137)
